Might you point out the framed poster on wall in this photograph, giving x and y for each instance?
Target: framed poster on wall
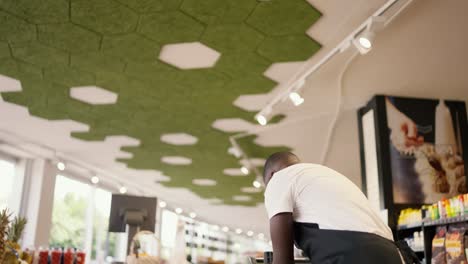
(419, 153)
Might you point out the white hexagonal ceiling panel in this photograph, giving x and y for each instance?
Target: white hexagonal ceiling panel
(176, 160)
(179, 139)
(192, 55)
(93, 95)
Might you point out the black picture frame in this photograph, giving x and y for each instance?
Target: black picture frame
(378, 105)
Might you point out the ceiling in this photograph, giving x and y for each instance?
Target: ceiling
(160, 94)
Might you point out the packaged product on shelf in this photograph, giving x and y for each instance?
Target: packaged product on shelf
(454, 244)
(438, 246)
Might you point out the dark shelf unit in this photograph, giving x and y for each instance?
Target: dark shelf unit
(429, 230)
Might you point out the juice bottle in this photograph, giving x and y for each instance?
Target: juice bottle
(68, 256)
(56, 256)
(80, 257)
(43, 256)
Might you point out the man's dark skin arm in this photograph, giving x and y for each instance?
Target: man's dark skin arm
(282, 237)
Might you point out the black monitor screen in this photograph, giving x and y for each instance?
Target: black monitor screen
(121, 203)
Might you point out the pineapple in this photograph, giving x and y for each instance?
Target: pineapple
(4, 222)
(15, 231)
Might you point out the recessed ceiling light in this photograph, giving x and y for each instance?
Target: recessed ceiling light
(95, 179)
(257, 184)
(261, 236)
(123, 190)
(238, 231)
(250, 233)
(245, 170)
(162, 204)
(179, 210)
(192, 215)
(61, 166)
(225, 229)
(216, 227)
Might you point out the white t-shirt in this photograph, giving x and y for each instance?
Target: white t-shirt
(317, 194)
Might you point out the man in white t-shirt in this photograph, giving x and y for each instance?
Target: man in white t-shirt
(324, 213)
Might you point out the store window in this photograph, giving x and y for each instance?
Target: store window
(7, 176)
(80, 219)
(69, 213)
(169, 222)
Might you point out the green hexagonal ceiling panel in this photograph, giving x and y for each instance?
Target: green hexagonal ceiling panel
(51, 46)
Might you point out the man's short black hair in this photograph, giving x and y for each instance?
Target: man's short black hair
(282, 156)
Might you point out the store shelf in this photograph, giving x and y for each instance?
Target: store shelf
(411, 226)
(445, 221)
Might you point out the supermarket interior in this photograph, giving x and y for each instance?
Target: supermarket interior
(140, 131)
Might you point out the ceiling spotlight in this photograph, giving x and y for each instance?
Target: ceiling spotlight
(244, 170)
(250, 233)
(366, 39)
(296, 98)
(261, 119)
(179, 210)
(261, 236)
(123, 190)
(257, 184)
(95, 179)
(61, 166)
(238, 231)
(162, 204)
(225, 229)
(192, 215)
(216, 227)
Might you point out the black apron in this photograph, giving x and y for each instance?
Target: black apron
(344, 247)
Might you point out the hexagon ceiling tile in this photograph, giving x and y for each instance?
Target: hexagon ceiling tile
(192, 55)
(104, 16)
(233, 125)
(176, 160)
(179, 139)
(204, 182)
(170, 27)
(238, 64)
(13, 29)
(38, 54)
(68, 37)
(143, 6)
(93, 95)
(97, 61)
(233, 172)
(288, 48)
(241, 198)
(69, 76)
(285, 17)
(206, 11)
(131, 47)
(251, 190)
(4, 50)
(45, 11)
(232, 37)
(252, 102)
(283, 71)
(8, 84)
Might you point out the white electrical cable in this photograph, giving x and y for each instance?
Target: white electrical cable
(332, 127)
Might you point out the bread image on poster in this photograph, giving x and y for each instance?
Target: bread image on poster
(426, 152)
